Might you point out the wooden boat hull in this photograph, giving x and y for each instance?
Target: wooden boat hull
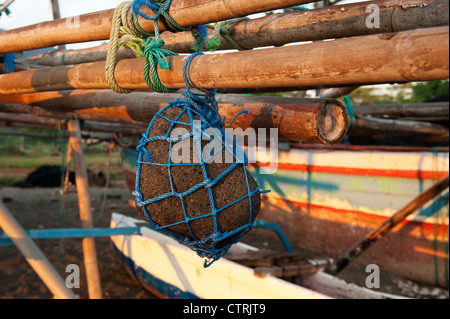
(170, 270)
(326, 200)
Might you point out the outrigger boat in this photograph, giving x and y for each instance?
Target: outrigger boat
(327, 198)
(170, 270)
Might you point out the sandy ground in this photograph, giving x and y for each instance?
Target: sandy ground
(41, 208)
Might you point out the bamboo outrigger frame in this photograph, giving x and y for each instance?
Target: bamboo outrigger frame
(347, 20)
(97, 25)
(398, 57)
(323, 121)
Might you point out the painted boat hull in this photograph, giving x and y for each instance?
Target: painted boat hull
(170, 270)
(326, 200)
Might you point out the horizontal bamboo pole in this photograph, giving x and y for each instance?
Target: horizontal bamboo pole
(322, 121)
(55, 124)
(417, 55)
(345, 20)
(427, 109)
(54, 135)
(39, 112)
(97, 25)
(33, 255)
(370, 124)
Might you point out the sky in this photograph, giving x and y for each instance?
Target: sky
(27, 12)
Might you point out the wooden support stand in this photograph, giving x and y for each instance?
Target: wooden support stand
(84, 202)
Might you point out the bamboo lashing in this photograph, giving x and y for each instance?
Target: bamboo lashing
(33, 255)
(97, 25)
(322, 121)
(279, 29)
(417, 55)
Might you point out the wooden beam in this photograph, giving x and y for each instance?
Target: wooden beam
(347, 20)
(390, 223)
(53, 123)
(57, 15)
(387, 126)
(97, 25)
(54, 135)
(417, 55)
(84, 204)
(322, 121)
(40, 112)
(33, 255)
(426, 109)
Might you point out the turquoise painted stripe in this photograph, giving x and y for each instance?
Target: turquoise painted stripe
(373, 192)
(73, 233)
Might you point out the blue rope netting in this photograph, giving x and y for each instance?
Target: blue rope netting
(199, 107)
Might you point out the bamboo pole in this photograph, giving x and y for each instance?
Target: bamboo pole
(87, 125)
(321, 121)
(368, 125)
(56, 16)
(417, 55)
(33, 255)
(346, 20)
(84, 203)
(40, 112)
(97, 25)
(84, 135)
(390, 223)
(427, 109)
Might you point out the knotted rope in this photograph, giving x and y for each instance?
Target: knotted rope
(133, 37)
(221, 30)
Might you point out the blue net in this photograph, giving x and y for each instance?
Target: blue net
(199, 114)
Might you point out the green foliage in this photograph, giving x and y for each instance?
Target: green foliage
(404, 93)
(429, 90)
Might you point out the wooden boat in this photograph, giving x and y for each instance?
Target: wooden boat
(169, 270)
(328, 198)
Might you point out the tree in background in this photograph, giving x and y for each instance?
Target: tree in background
(424, 91)
(402, 93)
